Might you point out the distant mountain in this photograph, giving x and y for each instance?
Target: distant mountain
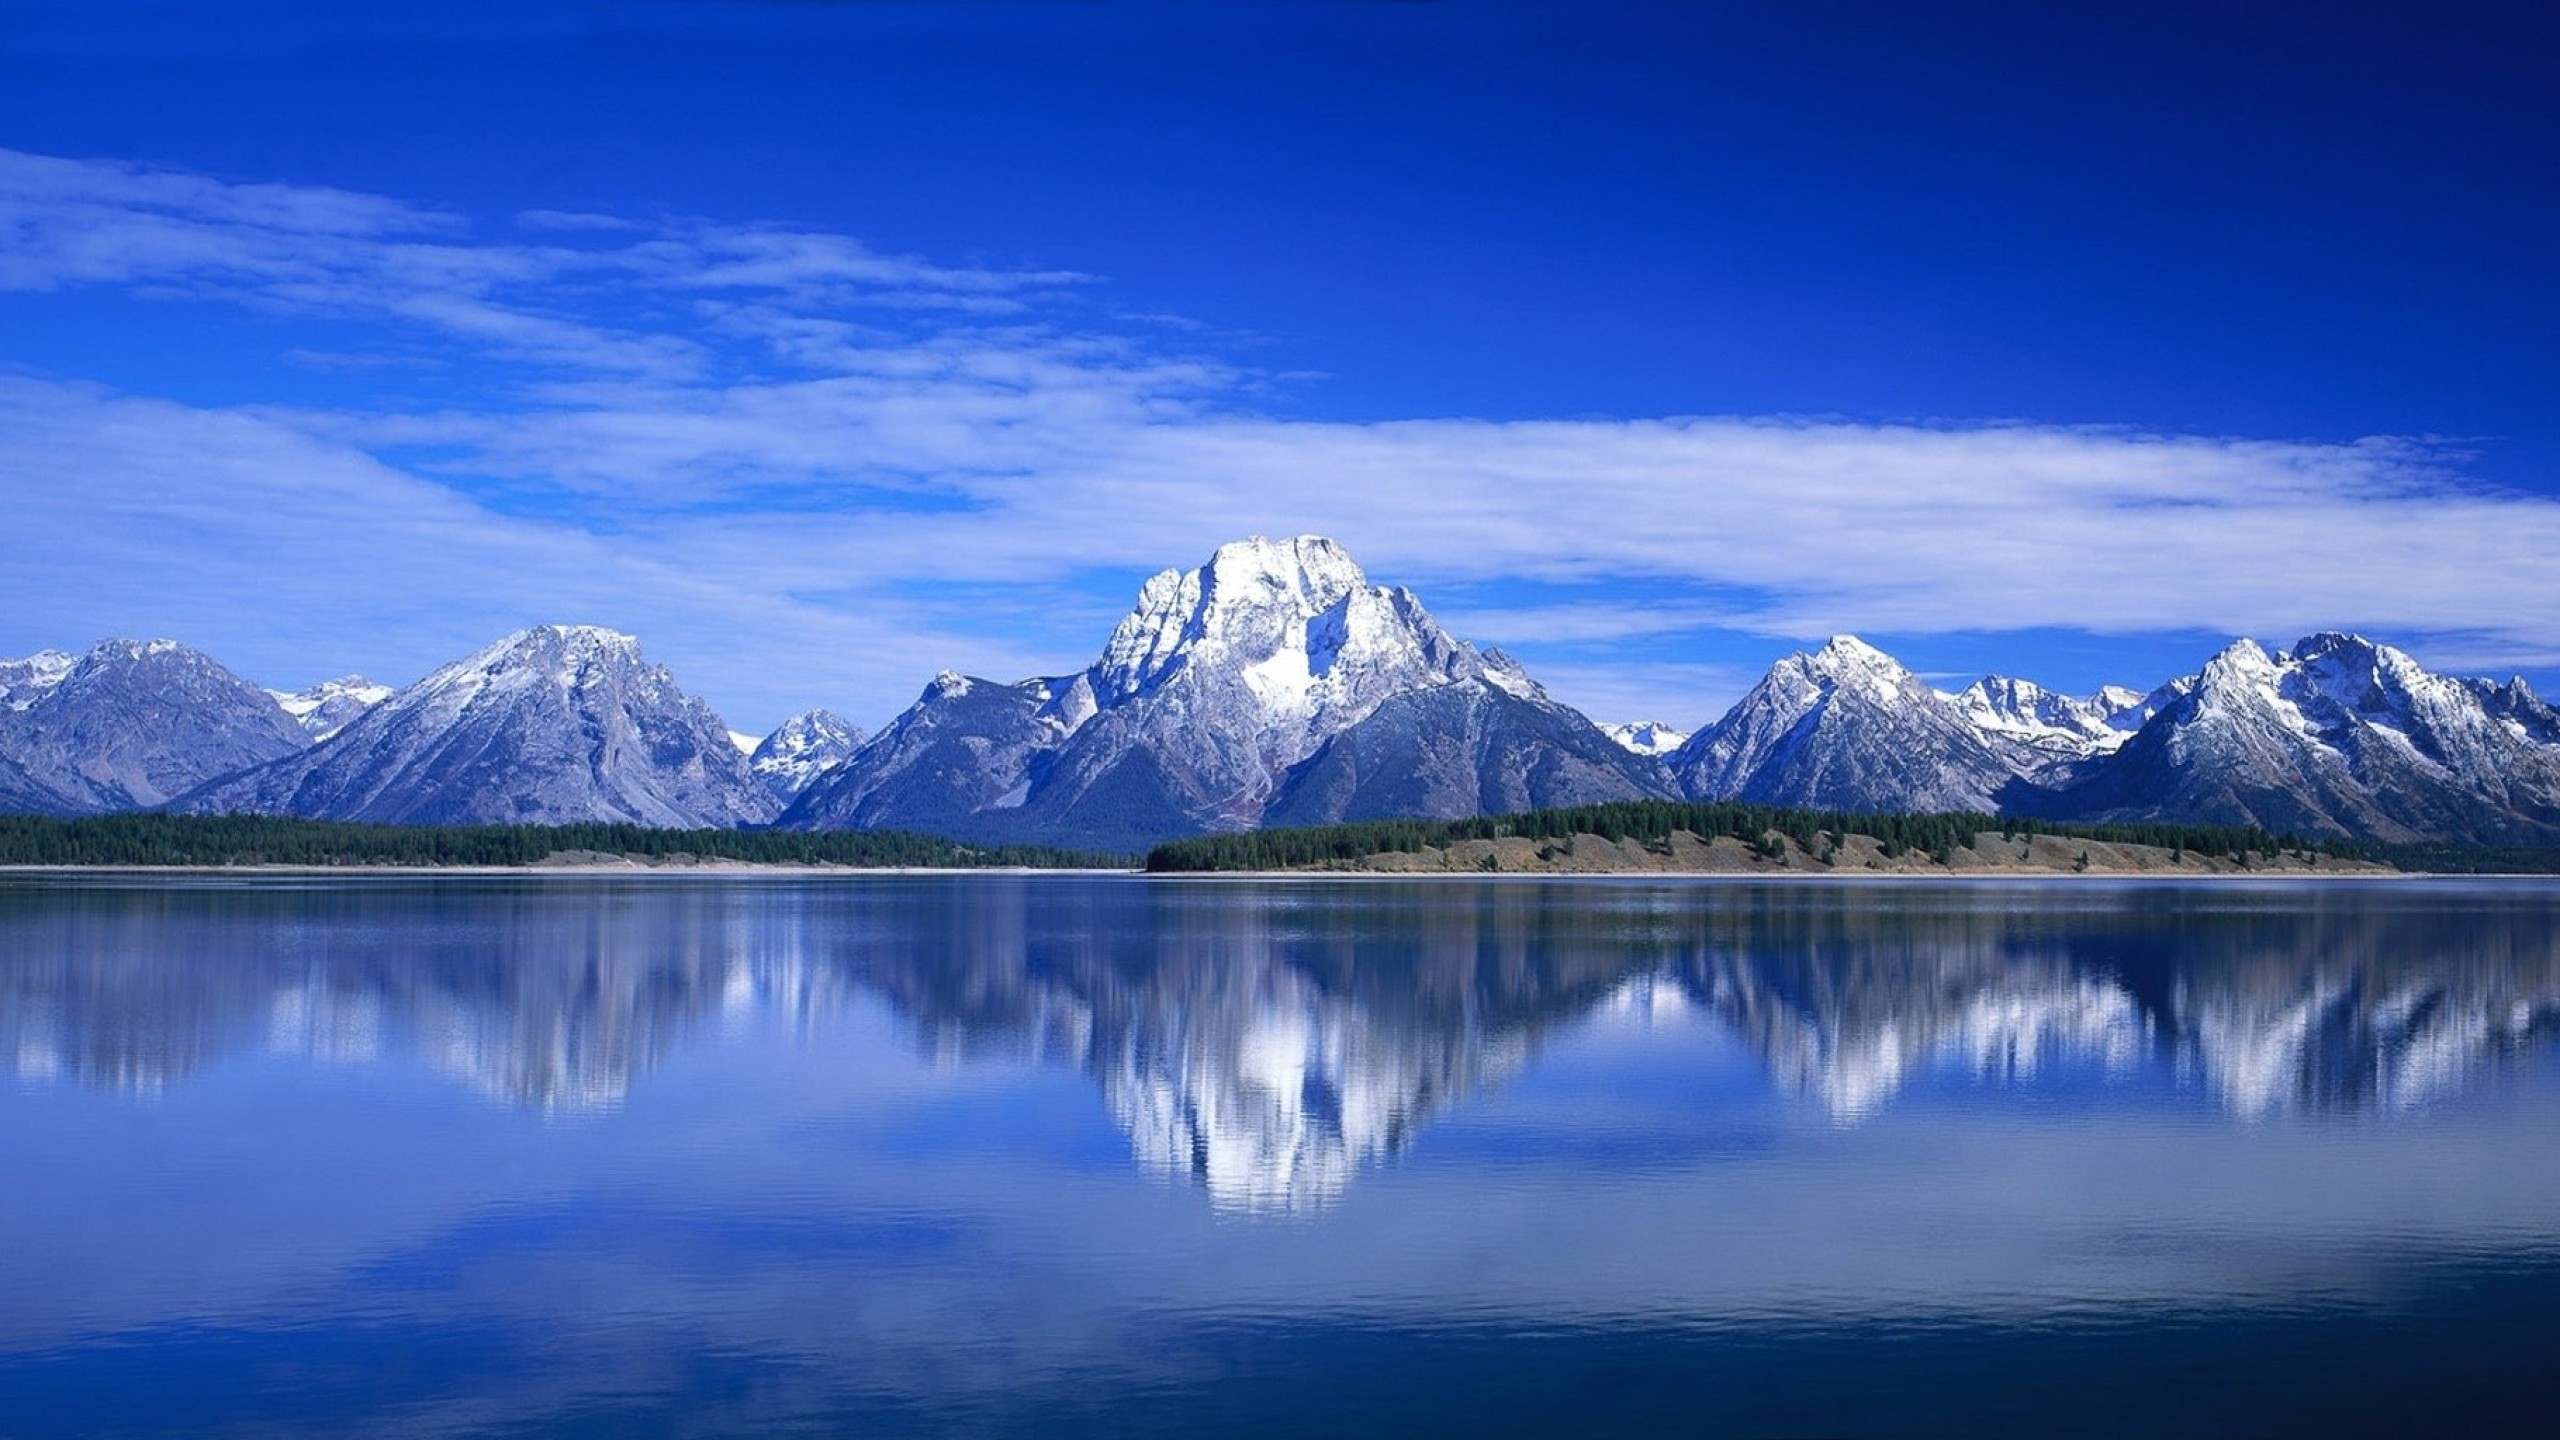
(1647, 737)
(2339, 736)
(554, 725)
(129, 725)
(1276, 685)
(325, 708)
(1208, 697)
(1846, 727)
(2040, 732)
(801, 749)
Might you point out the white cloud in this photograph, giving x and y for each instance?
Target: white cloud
(766, 449)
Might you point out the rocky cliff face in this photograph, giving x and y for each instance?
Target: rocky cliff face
(559, 724)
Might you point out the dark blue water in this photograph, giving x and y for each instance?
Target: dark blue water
(1080, 1156)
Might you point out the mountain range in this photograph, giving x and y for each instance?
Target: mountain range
(1275, 684)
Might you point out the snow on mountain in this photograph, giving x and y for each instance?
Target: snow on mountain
(2042, 732)
(1215, 686)
(2338, 736)
(1846, 727)
(2515, 706)
(1647, 737)
(555, 725)
(804, 747)
(129, 725)
(325, 708)
(22, 681)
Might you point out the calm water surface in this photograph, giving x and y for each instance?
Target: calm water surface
(1061, 1155)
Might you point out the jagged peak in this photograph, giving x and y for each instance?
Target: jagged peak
(1646, 737)
(2343, 649)
(1313, 560)
(115, 648)
(2243, 659)
(947, 685)
(1998, 688)
(1851, 649)
(1846, 657)
(814, 721)
(549, 641)
(2330, 642)
(1259, 600)
(355, 685)
(1850, 661)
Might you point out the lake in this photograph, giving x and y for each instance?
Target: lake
(1099, 1155)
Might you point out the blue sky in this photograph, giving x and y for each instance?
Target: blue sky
(825, 345)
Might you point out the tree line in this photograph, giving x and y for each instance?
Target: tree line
(1653, 822)
(221, 840)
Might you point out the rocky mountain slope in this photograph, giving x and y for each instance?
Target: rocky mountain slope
(553, 725)
(1276, 685)
(1211, 694)
(128, 726)
(1846, 727)
(2339, 736)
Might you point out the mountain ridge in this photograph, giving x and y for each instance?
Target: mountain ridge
(1276, 684)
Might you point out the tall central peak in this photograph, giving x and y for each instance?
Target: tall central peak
(1249, 599)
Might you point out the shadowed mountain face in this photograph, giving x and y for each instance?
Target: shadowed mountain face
(1268, 1043)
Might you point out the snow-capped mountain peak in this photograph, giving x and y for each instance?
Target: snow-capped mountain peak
(133, 723)
(324, 709)
(1844, 727)
(552, 724)
(2114, 700)
(803, 748)
(1216, 695)
(1281, 642)
(2052, 726)
(1646, 737)
(1295, 622)
(21, 681)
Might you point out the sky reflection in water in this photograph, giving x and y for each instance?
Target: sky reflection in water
(451, 1156)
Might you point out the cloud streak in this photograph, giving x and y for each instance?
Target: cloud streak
(789, 459)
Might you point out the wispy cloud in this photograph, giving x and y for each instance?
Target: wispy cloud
(770, 450)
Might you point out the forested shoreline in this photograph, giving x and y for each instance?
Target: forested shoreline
(247, 840)
(1765, 826)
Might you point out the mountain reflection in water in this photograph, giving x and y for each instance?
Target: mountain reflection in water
(1269, 1040)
